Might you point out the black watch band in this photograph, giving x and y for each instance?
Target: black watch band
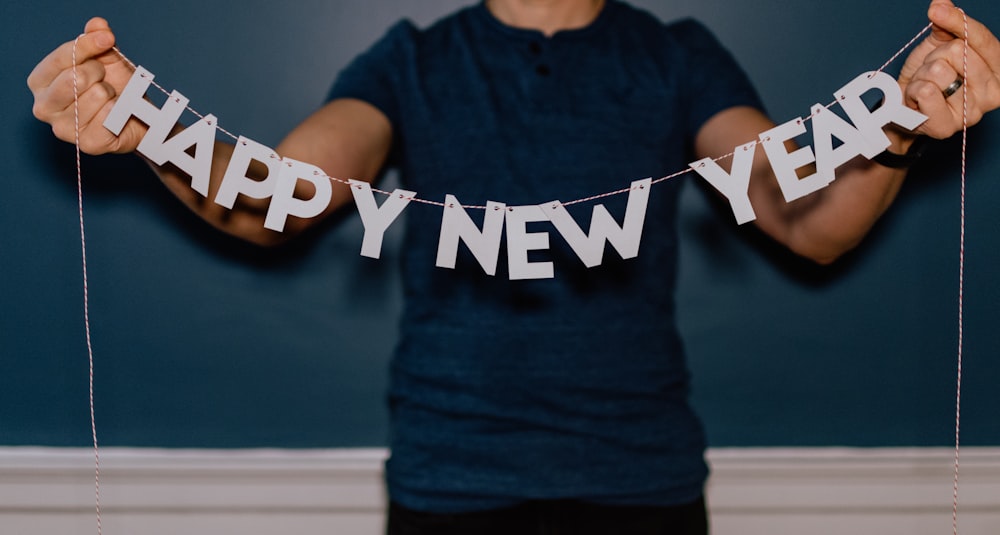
(903, 161)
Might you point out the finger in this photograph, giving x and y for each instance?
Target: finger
(945, 116)
(94, 138)
(971, 67)
(926, 97)
(941, 8)
(940, 70)
(61, 93)
(94, 106)
(949, 23)
(89, 45)
(93, 103)
(95, 24)
(105, 141)
(940, 73)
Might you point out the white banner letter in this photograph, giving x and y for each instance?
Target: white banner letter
(785, 163)
(284, 202)
(735, 184)
(161, 121)
(892, 109)
(201, 136)
(827, 126)
(625, 239)
(520, 241)
(376, 220)
(236, 181)
(131, 103)
(457, 225)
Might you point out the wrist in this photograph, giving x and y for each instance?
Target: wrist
(905, 149)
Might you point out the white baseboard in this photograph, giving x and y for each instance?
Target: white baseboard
(817, 491)
(166, 492)
(835, 491)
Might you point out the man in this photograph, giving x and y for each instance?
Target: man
(557, 405)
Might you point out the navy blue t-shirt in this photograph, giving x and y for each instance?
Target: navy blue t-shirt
(570, 387)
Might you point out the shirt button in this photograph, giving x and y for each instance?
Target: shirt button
(543, 70)
(535, 47)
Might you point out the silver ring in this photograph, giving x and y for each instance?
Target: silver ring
(953, 88)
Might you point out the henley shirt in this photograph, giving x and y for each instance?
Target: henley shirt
(575, 386)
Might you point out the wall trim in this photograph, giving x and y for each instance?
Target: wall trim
(194, 480)
(853, 478)
(752, 490)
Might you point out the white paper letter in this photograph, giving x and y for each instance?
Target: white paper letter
(201, 136)
(376, 220)
(892, 109)
(161, 121)
(457, 225)
(827, 126)
(236, 181)
(785, 163)
(520, 241)
(285, 203)
(160, 126)
(734, 185)
(625, 239)
(131, 103)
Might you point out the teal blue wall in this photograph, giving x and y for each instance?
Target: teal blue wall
(202, 341)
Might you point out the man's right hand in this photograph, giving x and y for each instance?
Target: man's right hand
(101, 74)
(346, 138)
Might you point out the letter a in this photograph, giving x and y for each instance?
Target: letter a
(892, 109)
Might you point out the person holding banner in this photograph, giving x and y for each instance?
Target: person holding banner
(523, 402)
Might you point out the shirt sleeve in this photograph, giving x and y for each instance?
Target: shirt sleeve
(714, 80)
(374, 76)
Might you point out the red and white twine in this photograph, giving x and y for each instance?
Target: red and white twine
(961, 268)
(86, 297)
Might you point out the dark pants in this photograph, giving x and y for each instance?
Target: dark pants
(556, 517)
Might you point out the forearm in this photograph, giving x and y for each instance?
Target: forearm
(345, 139)
(245, 220)
(829, 222)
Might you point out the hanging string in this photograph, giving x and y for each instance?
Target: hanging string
(86, 296)
(564, 203)
(961, 270)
